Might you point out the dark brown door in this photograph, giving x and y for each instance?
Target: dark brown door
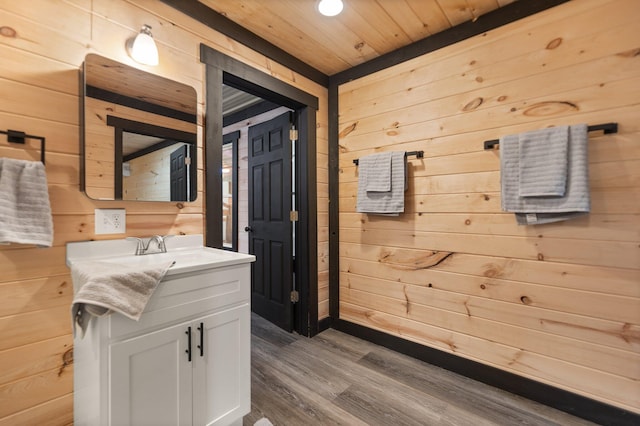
(178, 164)
(270, 230)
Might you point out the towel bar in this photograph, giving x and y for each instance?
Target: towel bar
(16, 136)
(418, 154)
(608, 128)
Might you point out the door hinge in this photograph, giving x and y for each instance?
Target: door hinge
(293, 215)
(293, 134)
(295, 296)
(187, 161)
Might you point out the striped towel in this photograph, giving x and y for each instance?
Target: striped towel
(546, 209)
(25, 212)
(543, 162)
(389, 203)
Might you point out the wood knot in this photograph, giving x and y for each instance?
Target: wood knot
(629, 53)
(467, 222)
(8, 32)
(482, 286)
(525, 300)
(486, 197)
(395, 124)
(502, 98)
(540, 256)
(473, 104)
(180, 206)
(548, 108)
(359, 46)
(554, 43)
(473, 62)
(392, 133)
(479, 79)
(348, 130)
(67, 359)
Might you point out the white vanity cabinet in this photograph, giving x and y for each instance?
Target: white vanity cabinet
(186, 362)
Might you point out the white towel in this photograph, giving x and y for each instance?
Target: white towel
(538, 210)
(544, 162)
(378, 172)
(25, 211)
(101, 290)
(389, 203)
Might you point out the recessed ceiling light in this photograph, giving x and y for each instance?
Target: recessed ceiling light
(330, 7)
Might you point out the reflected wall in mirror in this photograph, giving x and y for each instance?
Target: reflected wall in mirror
(139, 134)
(230, 190)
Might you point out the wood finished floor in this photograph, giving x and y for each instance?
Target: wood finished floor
(337, 379)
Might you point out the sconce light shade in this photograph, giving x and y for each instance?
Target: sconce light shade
(330, 7)
(143, 48)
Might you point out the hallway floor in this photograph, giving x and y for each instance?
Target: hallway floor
(337, 379)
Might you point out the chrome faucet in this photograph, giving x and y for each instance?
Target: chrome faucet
(142, 248)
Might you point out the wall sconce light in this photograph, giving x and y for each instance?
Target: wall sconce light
(143, 48)
(330, 7)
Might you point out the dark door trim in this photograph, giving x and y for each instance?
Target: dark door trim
(232, 138)
(220, 69)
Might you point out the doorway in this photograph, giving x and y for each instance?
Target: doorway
(220, 70)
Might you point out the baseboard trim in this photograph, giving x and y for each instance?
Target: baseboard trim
(324, 324)
(560, 399)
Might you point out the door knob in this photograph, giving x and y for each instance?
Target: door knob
(247, 229)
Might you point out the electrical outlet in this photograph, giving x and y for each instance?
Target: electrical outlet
(110, 221)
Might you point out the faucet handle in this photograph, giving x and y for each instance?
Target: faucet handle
(140, 245)
(162, 242)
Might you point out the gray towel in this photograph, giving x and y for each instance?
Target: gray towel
(25, 212)
(378, 171)
(543, 162)
(390, 202)
(538, 210)
(101, 290)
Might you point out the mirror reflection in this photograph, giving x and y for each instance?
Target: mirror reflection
(140, 134)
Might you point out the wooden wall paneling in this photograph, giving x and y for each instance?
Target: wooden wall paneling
(40, 80)
(454, 260)
(548, 319)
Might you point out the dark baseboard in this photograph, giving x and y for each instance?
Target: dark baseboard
(577, 405)
(324, 324)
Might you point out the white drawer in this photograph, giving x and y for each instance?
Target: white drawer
(181, 297)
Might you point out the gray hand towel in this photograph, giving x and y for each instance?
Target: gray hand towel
(103, 290)
(543, 162)
(25, 211)
(538, 210)
(390, 202)
(378, 171)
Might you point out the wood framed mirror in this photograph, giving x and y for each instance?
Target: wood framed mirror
(139, 134)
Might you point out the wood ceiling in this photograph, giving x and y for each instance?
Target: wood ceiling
(365, 30)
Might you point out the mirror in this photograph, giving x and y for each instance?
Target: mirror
(139, 134)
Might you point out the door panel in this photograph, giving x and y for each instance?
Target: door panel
(178, 164)
(151, 379)
(222, 379)
(270, 238)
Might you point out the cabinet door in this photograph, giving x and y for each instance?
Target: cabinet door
(151, 382)
(222, 371)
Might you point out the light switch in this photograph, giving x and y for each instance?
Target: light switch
(110, 221)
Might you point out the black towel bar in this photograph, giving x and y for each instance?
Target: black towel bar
(607, 127)
(418, 154)
(16, 136)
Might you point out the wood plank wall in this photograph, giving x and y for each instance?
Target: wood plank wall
(42, 45)
(557, 303)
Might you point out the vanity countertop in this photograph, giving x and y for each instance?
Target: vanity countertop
(186, 251)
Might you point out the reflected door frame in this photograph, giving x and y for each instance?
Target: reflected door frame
(232, 138)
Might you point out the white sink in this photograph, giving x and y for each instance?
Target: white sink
(186, 260)
(186, 251)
